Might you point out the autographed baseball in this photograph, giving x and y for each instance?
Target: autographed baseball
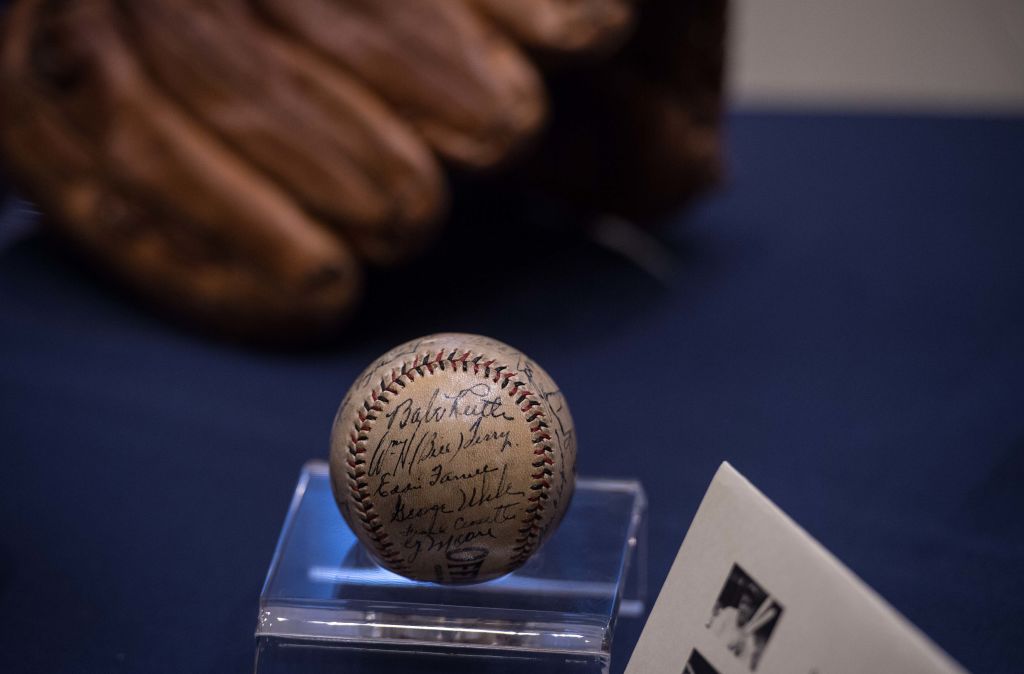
(453, 458)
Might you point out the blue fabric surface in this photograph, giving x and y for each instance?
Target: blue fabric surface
(846, 326)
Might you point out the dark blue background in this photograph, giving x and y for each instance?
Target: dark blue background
(846, 326)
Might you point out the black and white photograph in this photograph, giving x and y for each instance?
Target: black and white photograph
(744, 617)
(696, 664)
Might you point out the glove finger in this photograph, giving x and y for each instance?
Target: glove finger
(149, 145)
(312, 128)
(167, 261)
(470, 91)
(564, 27)
(131, 220)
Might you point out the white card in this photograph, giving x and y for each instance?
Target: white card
(750, 591)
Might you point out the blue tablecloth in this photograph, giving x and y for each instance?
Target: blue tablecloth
(845, 325)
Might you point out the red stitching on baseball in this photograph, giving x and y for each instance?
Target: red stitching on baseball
(530, 531)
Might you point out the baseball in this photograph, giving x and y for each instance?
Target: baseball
(453, 458)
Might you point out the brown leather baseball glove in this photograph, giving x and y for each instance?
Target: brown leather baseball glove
(241, 160)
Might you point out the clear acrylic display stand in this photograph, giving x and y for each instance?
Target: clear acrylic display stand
(326, 606)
